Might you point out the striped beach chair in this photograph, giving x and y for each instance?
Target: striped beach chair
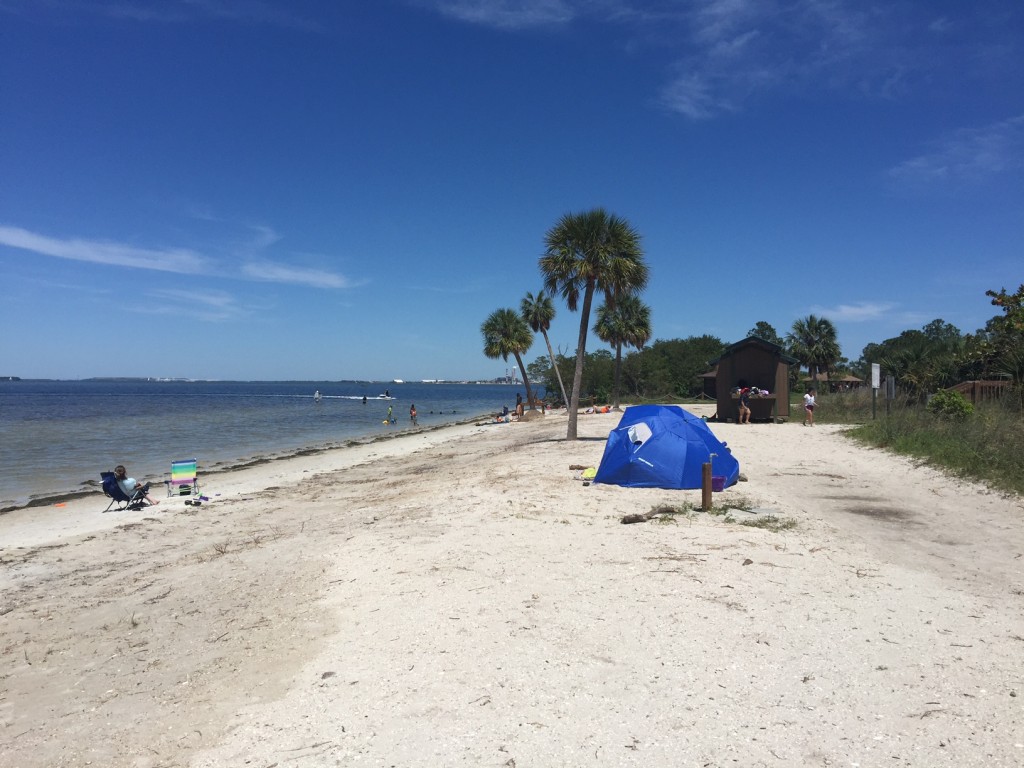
(183, 478)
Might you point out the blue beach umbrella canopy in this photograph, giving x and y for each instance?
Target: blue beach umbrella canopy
(663, 446)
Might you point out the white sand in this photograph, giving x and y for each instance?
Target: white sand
(457, 597)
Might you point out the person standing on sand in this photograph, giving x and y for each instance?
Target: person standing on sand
(519, 404)
(809, 407)
(745, 405)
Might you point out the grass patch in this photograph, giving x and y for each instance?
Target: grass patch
(986, 445)
(720, 506)
(771, 523)
(666, 514)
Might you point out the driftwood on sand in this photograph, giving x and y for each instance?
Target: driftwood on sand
(644, 517)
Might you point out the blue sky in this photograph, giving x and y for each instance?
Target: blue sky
(260, 189)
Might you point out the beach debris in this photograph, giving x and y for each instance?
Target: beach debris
(663, 509)
(748, 561)
(577, 466)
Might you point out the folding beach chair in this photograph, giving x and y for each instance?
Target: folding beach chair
(119, 497)
(183, 479)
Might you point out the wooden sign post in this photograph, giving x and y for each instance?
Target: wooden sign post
(705, 487)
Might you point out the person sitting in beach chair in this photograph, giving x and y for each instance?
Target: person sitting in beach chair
(126, 492)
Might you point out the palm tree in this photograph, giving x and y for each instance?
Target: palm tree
(588, 252)
(627, 323)
(813, 342)
(506, 333)
(538, 311)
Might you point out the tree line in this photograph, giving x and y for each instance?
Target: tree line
(597, 255)
(939, 355)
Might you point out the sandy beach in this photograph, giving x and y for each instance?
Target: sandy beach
(458, 597)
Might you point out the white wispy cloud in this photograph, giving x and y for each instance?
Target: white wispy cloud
(178, 260)
(261, 238)
(740, 49)
(259, 12)
(208, 305)
(719, 20)
(855, 313)
(694, 96)
(253, 11)
(726, 53)
(508, 14)
(272, 272)
(969, 155)
(254, 263)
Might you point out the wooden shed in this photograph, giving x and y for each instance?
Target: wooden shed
(707, 384)
(753, 362)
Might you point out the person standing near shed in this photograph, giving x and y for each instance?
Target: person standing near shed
(809, 404)
(745, 405)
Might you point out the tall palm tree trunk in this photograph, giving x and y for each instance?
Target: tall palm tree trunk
(526, 380)
(618, 376)
(558, 373)
(581, 352)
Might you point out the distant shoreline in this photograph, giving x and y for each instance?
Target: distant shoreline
(311, 382)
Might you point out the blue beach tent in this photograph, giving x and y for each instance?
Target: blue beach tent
(663, 446)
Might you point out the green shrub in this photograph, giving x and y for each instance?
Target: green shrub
(987, 446)
(950, 404)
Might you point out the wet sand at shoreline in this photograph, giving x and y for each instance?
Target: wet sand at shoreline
(458, 597)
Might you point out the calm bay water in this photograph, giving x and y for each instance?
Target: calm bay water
(57, 436)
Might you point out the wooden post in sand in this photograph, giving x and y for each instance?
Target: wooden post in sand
(705, 487)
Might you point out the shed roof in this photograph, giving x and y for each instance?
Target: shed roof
(755, 341)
